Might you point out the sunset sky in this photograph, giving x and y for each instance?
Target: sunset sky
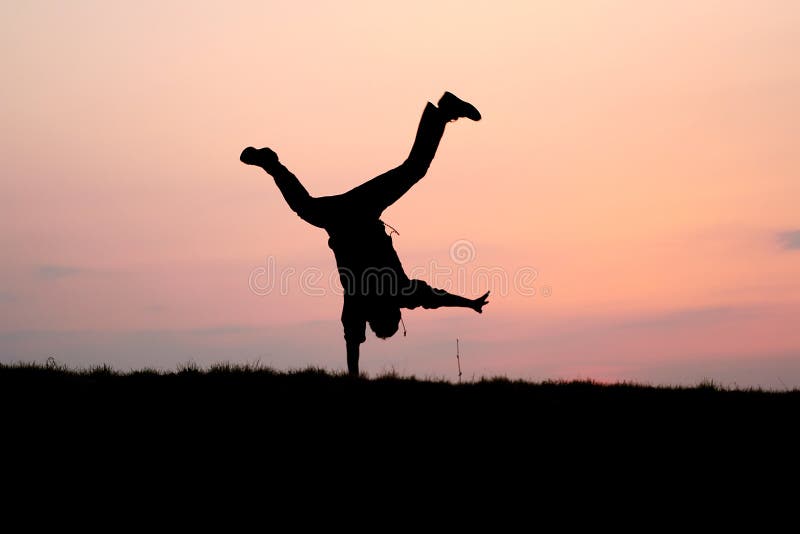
(640, 157)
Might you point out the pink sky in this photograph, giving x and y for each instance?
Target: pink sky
(640, 156)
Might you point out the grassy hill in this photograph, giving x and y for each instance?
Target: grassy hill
(257, 419)
(248, 391)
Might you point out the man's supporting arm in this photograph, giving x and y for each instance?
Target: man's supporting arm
(355, 330)
(352, 357)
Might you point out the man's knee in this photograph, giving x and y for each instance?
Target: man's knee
(307, 209)
(416, 167)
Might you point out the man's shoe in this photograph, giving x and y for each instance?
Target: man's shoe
(453, 108)
(262, 157)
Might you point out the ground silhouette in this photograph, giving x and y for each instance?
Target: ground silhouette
(226, 393)
(398, 445)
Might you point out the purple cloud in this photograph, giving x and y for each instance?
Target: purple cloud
(790, 240)
(54, 272)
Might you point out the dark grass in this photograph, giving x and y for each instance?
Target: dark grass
(258, 403)
(254, 389)
(50, 377)
(243, 418)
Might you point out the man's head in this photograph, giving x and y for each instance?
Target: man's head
(384, 321)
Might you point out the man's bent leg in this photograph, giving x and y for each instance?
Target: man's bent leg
(419, 293)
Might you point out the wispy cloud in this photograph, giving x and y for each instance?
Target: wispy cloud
(54, 272)
(790, 240)
(690, 317)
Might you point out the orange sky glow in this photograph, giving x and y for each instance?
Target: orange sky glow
(639, 157)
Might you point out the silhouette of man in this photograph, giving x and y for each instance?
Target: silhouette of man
(374, 282)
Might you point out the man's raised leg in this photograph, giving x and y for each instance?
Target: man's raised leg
(298, 198)
(382, 191)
